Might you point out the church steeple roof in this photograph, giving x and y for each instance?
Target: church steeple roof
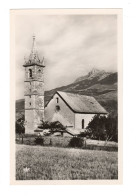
(33, 57)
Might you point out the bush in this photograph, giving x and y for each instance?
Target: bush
(39, 141)
(84, 134)
(55, 126)
(76, 142)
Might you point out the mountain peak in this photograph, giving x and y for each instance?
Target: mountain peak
(93, 73)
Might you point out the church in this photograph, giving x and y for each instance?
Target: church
(72, 110)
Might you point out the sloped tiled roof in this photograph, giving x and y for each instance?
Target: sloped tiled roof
(82, 103)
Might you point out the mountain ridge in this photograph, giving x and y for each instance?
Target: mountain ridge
(94, 73)
(100, 84)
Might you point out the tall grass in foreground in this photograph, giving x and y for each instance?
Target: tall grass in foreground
(49, 163)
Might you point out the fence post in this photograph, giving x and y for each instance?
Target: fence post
(85, 142)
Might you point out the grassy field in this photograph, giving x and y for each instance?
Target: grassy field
(52, 163)
(58, 141)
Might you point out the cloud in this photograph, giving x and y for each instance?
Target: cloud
(71, 45)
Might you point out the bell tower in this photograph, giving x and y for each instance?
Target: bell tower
(34, 90)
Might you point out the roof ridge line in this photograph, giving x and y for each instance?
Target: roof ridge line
(76, 94)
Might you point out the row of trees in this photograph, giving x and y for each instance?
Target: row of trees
(100, 128)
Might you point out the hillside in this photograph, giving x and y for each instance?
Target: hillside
(100, 84)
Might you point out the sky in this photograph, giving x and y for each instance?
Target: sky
(71, 44)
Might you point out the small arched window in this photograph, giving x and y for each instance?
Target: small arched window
(30, 73)
(57, 108)
(83, 123)
(57, 100)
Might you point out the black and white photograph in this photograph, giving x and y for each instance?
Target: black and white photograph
(66, 119)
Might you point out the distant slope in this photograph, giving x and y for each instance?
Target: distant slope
(100, 84)
(20, 105)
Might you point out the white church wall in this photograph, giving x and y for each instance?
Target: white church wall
(79, 117)
(63, 115)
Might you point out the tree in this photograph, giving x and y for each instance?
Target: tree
(44, 125)
(103, 128)
(20, 128)
(96, 128)
(112, 128)
(55, 126)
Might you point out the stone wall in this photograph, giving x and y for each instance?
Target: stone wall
(39, 102)
(37, 73)
(34, 87)
(30, 125)
(39, 115)
(32, 120)
(39, 87)
(30, 102)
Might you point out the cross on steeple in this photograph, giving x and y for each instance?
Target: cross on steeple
(33, 57)
(34, 54)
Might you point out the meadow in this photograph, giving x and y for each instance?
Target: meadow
(54, 163)
(58, 141)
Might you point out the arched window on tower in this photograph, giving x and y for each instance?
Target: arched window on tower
(30, 73)
(39, 73)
